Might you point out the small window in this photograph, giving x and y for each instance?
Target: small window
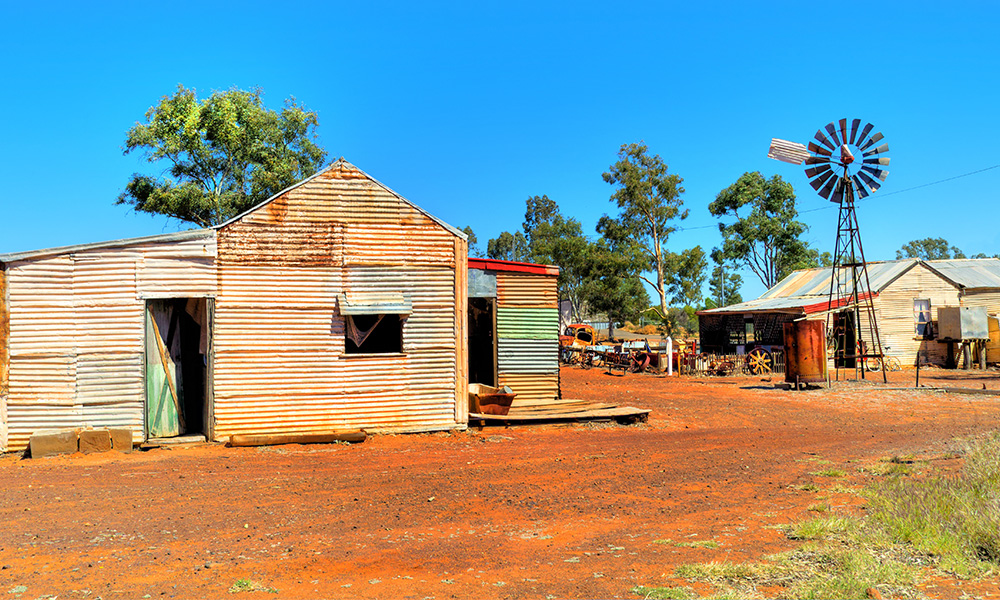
(584, 336)
(373, 334)
(922, 318)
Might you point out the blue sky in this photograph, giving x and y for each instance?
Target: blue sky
(467, 109)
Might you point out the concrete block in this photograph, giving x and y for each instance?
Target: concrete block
(95, 440)
(121, 439)
(51, 442)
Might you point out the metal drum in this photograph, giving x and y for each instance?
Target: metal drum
(805, 352)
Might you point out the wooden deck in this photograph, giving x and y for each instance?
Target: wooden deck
(562, 410)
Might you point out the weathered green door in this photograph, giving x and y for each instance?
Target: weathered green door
(164, 392)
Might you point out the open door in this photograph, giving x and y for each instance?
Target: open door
(177, 366)
(482, 341)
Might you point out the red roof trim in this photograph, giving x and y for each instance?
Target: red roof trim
(827, 305)
(490, 264)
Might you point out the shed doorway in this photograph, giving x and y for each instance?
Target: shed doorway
(178, 368)
(482, 341)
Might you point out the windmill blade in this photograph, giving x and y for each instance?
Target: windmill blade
(884, 161)
(825, 192)
(831, 129)
(862, 190)
(864, 134)
(854, 129)
(813, 172)
(817, 149)
(789, 152)
(876, 172)
(872, 184)
(822, 139)
(880, 150)
(843, 130)
(819, 181)
(838, 191)
(872, 140)
(818, 160)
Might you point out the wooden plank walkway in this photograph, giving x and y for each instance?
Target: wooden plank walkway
(562, 410)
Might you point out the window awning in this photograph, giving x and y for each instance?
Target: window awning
(375, 304)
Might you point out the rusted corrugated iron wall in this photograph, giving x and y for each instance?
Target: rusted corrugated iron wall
(280, 362)
(528, 335)
(4, 356)
(77, 330)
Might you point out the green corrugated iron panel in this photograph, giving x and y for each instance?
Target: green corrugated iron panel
(528, 356)
(528, 323)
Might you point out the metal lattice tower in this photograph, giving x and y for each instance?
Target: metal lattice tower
(851, 326)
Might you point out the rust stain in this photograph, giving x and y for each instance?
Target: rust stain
(277, 210)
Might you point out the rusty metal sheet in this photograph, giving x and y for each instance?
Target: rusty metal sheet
(527, 289)
(76, 329)
(279, 335)
(531, 387)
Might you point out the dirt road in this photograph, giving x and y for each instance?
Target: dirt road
(557, 511)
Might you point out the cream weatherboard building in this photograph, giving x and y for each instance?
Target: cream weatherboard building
(906, 294)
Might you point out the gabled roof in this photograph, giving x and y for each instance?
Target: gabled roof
(210, 231)
(342, 163)
(807, 291)
(969, 273)
(816, 282)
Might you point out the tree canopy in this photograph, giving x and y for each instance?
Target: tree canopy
(765, 236)
(649, 201)
(224, 154)
(557, 240)
(929, 249)
(508, 246)
(474, 250)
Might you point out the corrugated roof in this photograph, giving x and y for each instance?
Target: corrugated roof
(970, 273)
(794, 304)
(163, 237)
(343, 162)
(816, 282)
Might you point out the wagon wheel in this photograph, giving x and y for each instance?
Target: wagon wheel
(831, 345)
(759, 361)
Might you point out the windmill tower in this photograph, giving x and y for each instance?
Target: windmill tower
(837, 175)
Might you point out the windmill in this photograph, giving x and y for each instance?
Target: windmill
(837, 175)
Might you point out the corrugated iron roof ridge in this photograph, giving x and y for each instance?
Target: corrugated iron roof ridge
(345, 163)
(160, 237)
(970, 273)
(818, 278)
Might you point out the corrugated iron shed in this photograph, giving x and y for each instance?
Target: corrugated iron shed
(527, 325)
(255, 319)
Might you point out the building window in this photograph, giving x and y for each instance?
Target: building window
(922, 318)
(373, 334)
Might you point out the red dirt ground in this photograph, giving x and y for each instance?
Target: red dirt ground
(543, 511)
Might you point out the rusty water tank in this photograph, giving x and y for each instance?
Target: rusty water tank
(805, 352)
